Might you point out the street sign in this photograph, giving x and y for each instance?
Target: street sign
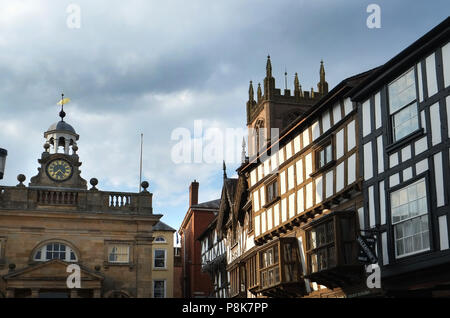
(367, 249)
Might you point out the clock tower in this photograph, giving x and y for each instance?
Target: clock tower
(59, 162)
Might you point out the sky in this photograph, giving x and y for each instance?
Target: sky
(160, 67)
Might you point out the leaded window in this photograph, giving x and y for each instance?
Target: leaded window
(322, 246)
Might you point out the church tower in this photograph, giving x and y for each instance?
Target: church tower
(272, 112)
(59, 162)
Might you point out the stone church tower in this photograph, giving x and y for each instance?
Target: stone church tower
(274, 111)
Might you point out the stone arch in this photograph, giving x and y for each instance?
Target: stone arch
(117, 294)
(259, 134)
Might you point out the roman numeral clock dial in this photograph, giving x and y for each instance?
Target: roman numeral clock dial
(59, 170)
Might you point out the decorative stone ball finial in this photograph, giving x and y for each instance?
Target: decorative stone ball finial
(21, 178)
(93, 182)
(46, 146)
(75, 149)
(62, 114)
(144, 185)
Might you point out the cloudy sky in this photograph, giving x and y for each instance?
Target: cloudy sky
(153, 66)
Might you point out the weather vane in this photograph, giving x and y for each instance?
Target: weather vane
(63, 101)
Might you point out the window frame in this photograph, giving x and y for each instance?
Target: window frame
(273, 184)
(165, 287)
(42, 249)
(154, 259)
(323, 148)
(392, 225)
(111, 247)
(2, 250)
(108, 244)
(326, 246)
(160, 242)
(344, 240)
(415, 101)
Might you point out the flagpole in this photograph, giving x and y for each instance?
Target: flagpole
(140, 168)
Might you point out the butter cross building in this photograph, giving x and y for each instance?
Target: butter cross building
(56, 221)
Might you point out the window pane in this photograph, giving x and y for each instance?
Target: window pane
(405, 122)
(321, 158)
(411, 219)
(402, 91)
(160, 259)
(329, 154)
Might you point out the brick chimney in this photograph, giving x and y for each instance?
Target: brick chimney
(193, 193)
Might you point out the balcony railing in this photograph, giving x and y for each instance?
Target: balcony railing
(21, 197)
(56, 197)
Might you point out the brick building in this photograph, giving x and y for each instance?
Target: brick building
(199, 215)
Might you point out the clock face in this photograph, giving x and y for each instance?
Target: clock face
(59, 170)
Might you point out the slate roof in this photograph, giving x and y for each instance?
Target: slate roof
(161, 226)
(214, 204)
(61, 125)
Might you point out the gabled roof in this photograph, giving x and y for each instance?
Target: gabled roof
(234, 196)
(161, 226)
(209, 206)
(420, 47)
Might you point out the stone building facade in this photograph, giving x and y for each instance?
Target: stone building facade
(163, 261)
(56, 221)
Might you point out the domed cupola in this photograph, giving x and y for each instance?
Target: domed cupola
(61, 134)
(59, 168)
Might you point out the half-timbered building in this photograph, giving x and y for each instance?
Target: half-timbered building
(304, 193)
(214, 260)
(235, 227)
(404, 110)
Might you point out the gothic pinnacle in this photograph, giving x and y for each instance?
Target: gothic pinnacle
(268, 67)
